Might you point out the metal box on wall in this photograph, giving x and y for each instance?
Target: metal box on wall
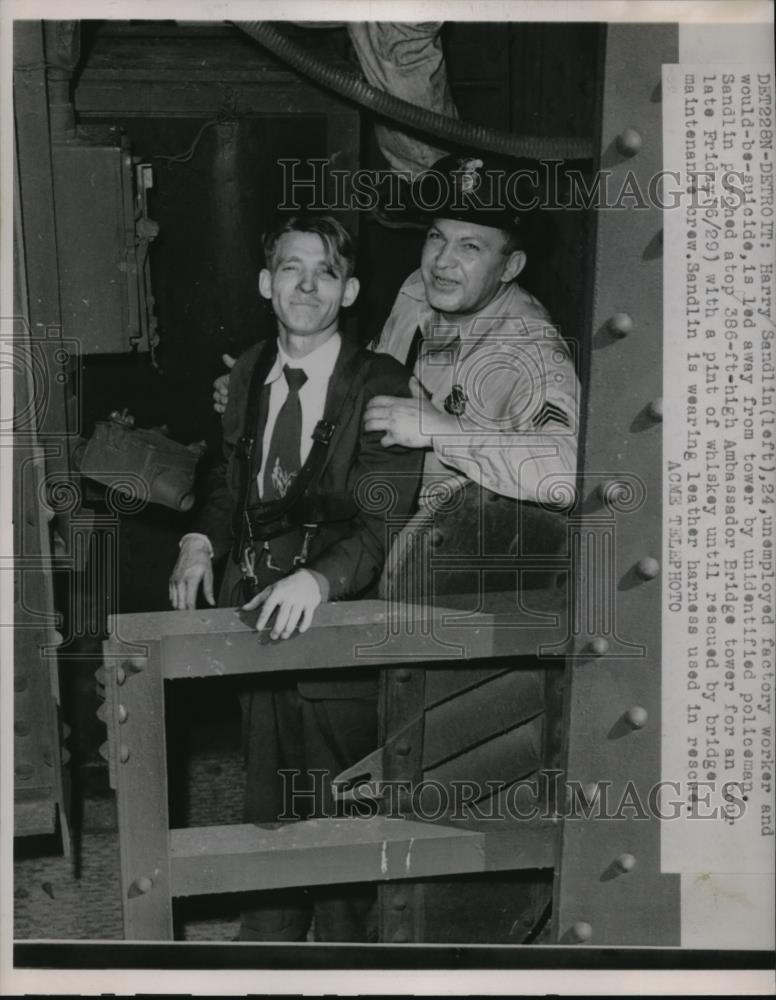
(103, 234)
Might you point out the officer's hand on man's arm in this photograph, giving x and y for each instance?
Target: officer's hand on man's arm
(194, 566)
(412, 422)
(221, 385)
(296, 597)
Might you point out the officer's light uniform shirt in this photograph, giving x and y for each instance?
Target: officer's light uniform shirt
(508, 375)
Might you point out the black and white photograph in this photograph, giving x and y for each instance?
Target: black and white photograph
(388, 429)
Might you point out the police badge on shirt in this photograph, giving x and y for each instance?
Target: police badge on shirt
(455, 402)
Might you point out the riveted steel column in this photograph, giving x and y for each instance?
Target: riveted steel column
(403, 699)
(38, 779)
(41, 261)
(39, 783)
(136, 752)
(402, 721)
(609, 889)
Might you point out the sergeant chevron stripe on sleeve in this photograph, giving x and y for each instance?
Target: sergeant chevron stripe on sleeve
(548, 413)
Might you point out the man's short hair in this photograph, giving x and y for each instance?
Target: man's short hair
(513, 241)
(339, 243)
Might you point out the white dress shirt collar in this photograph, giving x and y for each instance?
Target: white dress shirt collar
(317, 365)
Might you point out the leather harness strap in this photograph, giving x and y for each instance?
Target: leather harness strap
(301, 505)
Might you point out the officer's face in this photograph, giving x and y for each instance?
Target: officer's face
(307, 287)
(464, 265)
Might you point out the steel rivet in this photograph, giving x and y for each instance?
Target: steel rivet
(636, 717)
(121, 675)
(655, 409)
(123, 714)
(648, 568)
(437, 537)
(140, 887)
(123, 753)
(104, 750)
(581, 931)
(625, 862)
(24, 771)
(56, 638)
(400, 937)
(135, 664)
(599, 646)
(620, 324)
(403, 675)
(628, 142)
(403, 748)
(65, 756)
(400, 903)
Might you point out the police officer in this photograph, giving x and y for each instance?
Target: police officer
(496, 393)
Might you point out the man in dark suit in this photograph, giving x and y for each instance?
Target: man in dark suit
(291, 502)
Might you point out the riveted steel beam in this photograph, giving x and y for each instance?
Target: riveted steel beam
(323, 851)
(40, 792)
(402, 728)
(145, 650)
(38, 224)
(610, 890)
(137, 754)
(221, 641)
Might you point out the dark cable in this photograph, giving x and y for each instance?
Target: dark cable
(451, 130)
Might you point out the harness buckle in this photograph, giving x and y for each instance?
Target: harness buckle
(323, 431)
(310, 531)
(248, 563)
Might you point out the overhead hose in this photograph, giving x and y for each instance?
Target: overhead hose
(450, 130)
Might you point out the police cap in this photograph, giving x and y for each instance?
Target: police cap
(485, 189)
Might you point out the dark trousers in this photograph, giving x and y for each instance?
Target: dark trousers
(294, 747)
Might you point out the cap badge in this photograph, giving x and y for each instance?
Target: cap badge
(467, 174)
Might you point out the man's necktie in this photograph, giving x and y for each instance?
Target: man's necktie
(412, 355)
(282, 465)
(283, 457)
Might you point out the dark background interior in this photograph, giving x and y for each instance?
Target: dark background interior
(215, 191)
(533, 79)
